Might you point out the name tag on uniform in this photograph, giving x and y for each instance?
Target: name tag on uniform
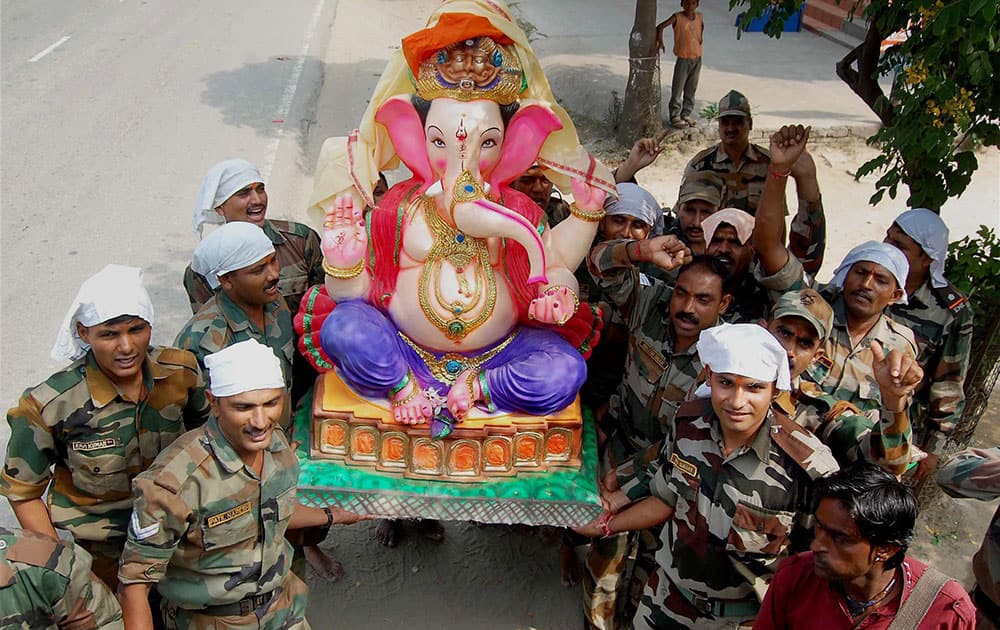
(228, 515)
(654, 354)
(95, 445)
(686, 467)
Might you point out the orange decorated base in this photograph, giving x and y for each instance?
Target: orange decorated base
(351, 429)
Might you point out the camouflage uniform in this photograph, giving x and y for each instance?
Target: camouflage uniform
(941, 321)
(744, 186)
(210, 534)
(844, 371)
(556, 210)
(881, 437)
(975, 473)
(221, 322)
(297, 250)
(657, 379)
(43, 581)
(97, 442)
(733, 517)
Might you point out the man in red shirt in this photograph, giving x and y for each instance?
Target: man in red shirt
(857, 574)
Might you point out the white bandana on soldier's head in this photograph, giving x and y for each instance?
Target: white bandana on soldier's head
(114, 291)
(243, 367)
(222, 181)
(930, 232)
(746, 350)
(881, 254)
(233, 246)
(741, 221)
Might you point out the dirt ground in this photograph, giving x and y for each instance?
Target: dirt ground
(505, 578)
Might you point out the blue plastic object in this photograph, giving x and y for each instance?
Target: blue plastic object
(792, 25)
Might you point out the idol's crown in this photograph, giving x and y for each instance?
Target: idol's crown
(472, 69)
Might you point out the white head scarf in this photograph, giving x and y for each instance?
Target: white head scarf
(741, 221)
(745, 349)
(233, 246)
(222, 180)
(878, 253)
(114, 291)
(636, 201)
(243, 367)
(930, 232)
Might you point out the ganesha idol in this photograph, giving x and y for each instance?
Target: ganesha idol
(450, 309)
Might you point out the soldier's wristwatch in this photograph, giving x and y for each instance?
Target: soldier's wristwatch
(329, 515)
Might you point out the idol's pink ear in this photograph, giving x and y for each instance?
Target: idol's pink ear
(407, 135)
(526, 133)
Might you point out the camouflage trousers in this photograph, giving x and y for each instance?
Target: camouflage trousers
(664, 606)
(617, 568)
(285, 611)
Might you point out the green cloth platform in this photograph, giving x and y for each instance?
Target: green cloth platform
(564, 498)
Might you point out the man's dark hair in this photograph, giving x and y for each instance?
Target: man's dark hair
(709, 264)
(883, 509)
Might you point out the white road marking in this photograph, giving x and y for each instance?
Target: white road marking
(49, 49)
(288, 95)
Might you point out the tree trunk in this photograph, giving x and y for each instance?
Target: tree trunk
(641, 107)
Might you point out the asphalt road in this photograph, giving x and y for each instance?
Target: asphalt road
(112, 112)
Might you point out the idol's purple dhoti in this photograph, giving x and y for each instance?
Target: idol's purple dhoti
(537, 373)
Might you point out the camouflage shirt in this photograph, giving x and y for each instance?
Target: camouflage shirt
(975, 473)
(941, 321)
(205, 527)
(744, 186)
(657, 378)
(881, 437)
(43, 581)
(734, 516)
(297, 249)
(844, 371)
(96, 440)
(221, 322)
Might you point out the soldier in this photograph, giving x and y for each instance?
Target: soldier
(869, 280)
(100, 421)
(233, 190)
(700, 196)
(536, 185)
(728, 233)
(857, 573)
(241, 259)
(661, 367)
(801, 322)
(732, 469)
(211, 512)
(941, 320)
(975, 474)
(744, 167)
(47, 583)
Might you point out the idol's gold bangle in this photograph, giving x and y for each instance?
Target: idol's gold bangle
(590, 216)
(344, 273)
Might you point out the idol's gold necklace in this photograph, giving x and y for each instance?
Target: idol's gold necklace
(460, 251)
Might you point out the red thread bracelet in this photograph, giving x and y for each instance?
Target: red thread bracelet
(605, 523)
(775, 173)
